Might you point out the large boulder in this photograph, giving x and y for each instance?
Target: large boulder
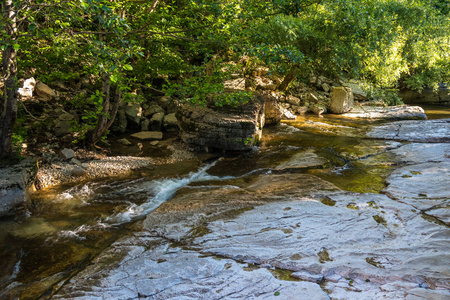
(153, 109)
(225, 128)
(15, 184)
(168, 104)
(133, 112)
(342, 100)
(400, 112)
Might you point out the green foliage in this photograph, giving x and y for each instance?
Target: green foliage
(20, 133)
(388, 96)
(189, 45)
(204, 85)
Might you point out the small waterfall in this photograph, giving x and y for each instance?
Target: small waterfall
(163, 190)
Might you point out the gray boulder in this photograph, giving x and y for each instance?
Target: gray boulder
(133, 113)
(67, 153)
(170, 122)
(153, 109)
(156, 121)
(400, 112)
(14, 182)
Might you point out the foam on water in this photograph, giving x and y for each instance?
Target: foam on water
(163, 190)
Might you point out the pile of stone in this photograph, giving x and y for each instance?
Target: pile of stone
(155, 115)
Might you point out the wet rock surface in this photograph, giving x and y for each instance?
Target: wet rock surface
(293, 235)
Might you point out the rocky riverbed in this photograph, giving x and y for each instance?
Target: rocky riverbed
(274, 234)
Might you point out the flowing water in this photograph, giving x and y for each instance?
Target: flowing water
(67, 226)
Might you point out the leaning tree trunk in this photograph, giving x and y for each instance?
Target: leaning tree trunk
(103, 123)
(8, 102)
(290, 76)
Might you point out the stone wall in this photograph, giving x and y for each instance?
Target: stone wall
(441, 96)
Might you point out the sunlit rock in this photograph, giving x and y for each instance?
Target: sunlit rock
(44, 91)
(301, 160)
(401, 112)
(133, 112)
(342, 100)
(436, 131)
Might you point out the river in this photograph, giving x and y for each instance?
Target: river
(66, 227)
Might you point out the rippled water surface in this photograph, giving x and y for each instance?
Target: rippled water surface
(67, 226)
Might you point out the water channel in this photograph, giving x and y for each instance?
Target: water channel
(67, 226)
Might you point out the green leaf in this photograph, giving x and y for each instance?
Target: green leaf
(127, 67)
(16, 47)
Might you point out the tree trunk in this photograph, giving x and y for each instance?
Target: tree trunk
(8, 103)
(103, 123)
(290, 76)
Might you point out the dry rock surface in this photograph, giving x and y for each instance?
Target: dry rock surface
(62, 172)
(388, 113)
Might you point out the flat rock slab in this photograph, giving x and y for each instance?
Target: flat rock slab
(365, 246)
(430, 131)
(159, 271)
(422, 185)
(148, 135)
(302, 160)
(402, 112)
(416, 153)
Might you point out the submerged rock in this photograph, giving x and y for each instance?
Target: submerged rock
(301, 160)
